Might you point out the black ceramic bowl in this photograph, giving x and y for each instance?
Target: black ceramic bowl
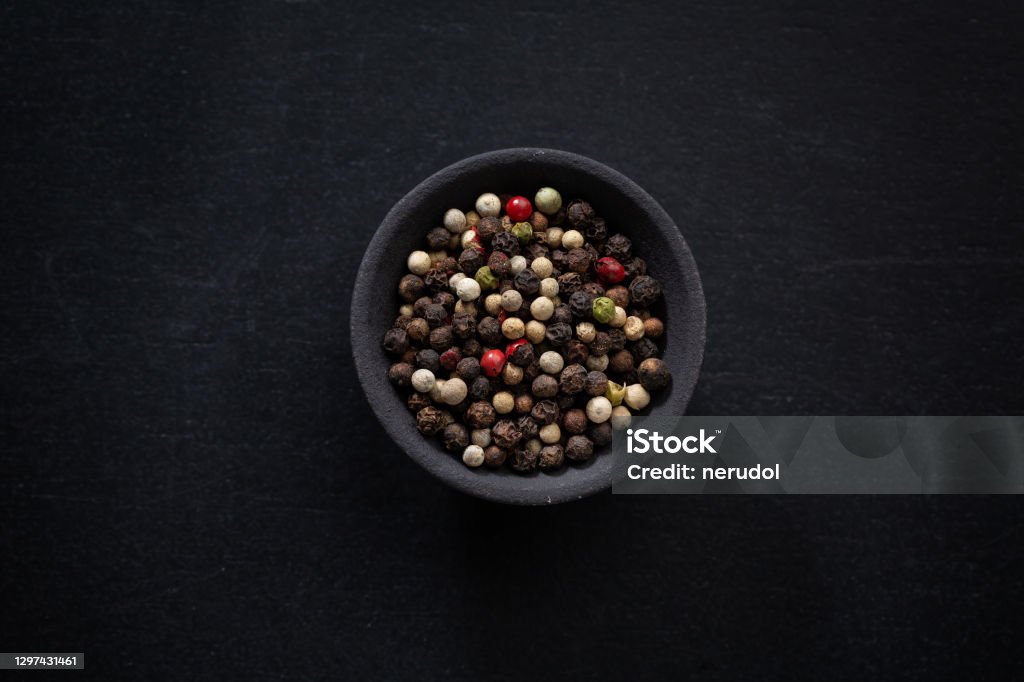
(626, 207)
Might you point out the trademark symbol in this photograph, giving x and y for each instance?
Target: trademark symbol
(718, 430)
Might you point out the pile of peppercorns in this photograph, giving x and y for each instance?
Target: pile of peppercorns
(525, 336)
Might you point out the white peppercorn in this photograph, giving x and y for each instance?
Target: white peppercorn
(572, 239)
(547, 200)
(535, 331)
(423, 380)
(454, 391)
(511, 300)
(637, 396)
(599, 410)
(513, 328)
(552, 362)
(619, 318)
(517, 264)
(455, 221)
(553, 237)
(488, 205)
(481, 437)
(406, 309)
(549, 434)
(419, 262)
(468, 289)
(586, 331)
(542, 308)
(542, 266)
(453, 281)
(473, 456)
(436, 391)
(469, 240)
(549, 287)
(492, 304)
(597, 363)
(503, 402)
(621, 417)
(512, 374)
(633, 328)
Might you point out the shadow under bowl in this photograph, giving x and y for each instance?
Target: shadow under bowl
(626, 207)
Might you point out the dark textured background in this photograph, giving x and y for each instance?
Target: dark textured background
(192, 486)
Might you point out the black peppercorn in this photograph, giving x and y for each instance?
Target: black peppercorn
(597, 230)
(435, 315)
(644, 290)
(616, 340)
(581, 304)
(437, 238)
(565, 402)
(568, 284)
(417, 401)
(593, 288)
(545, 386)
(506, 242)
(486, 228)
(557, 259)
(471, 260)
(409, 356)
(420, 306)
(441, 339)
(528, 426)
(524, 403)
(644, 348)
(654, 374)
(601, 344)
(472, 348)
(635, 267)
(545, 412)
(480, 389)
(428, 359)
(396, 341)
(494, 456)
(411, 287)
(619, 295)
(551, 457)
(418, 330)
(596, 384)
(506, 434)
(489, 330)
(577, 260)
(573, 379)
(620, 362)
(525, 460)
(591, 251)
(446, 300)
(562, 315)
(574, 421)
(527, 282)
(523, 355)
(430, 421)
(499, 265)
(436, 280)
(536, 250)
(532, 370)
(463, 324)
(450, 358)
(468, 370)
(600, 434)
(618, 247)
(455, 437)
(579, 448)
(449, 265)
(402, 322)
(400, 374)
(481, 415)
(559, 334)
(579, 213)
(575, 352)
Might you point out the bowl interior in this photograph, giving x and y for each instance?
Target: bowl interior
(627, 209)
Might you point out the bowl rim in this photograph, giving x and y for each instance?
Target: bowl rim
(362, 343)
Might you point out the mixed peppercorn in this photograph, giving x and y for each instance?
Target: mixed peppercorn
(524, 335)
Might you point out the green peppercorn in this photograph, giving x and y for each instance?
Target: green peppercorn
(485, 278)
(615, 393)
(604, 309)
(524, 231)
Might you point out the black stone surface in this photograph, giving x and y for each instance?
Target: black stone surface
(192, 486)
(623, 204)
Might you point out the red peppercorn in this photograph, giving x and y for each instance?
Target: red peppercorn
(492, 362)
(610, 271)
(450, 358)
(511, 348)
(519, 209)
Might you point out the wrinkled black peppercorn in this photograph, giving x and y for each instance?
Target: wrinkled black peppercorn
(411, 287)
(472, 348)
(579, 213)
(489, 330)
(545, 412)
(499, 265)
(446, 300)
(471, 260)
(527, 426)
(418, 330)
(601, 344)
(437, 238)
(436, 280)
(527, 282)
(455, 437)
(559, 334)
(582, 304)
(593, 288)
(441, 339)
(574, 421)
(597, 230)
(579, 448)
(596, 383)
(568, 284)
(481, 415)
(480, 389)
(400, 374)
(644, 290)
(435, 315)
(635, 266)
(644, 348)
(616, 340)
(494, 456)
(551, 457)
(468, 370)
(430, 421)
(573, 379)
(545, 386)
(578, 260)
(396, 341)
(536, 250)
(463, 324)
(576, 352)
(523, 355)
(525, 460)
(620, 362)
(618, 247)
(420, 306)
(524, 403)
(506, 434)
(506, 242)
(417, 401)
(487, 227)
(562, 314)
(654, 374)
